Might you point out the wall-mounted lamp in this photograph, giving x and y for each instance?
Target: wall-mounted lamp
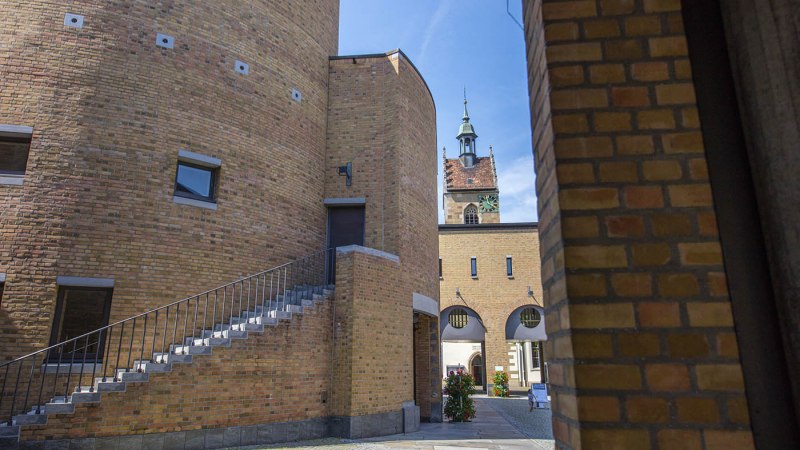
(530, 292)
(458, 292)
(347, 170)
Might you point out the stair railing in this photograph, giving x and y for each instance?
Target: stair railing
(105, 354)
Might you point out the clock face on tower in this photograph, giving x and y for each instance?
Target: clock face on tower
(488, 202)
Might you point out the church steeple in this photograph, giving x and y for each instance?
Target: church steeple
(466, 136)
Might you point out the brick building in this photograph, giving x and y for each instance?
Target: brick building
(665, 137)
(489, 275)
(150, 154)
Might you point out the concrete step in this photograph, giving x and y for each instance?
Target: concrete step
(8, 431)
(109, 385)
(190, 349)
(84, 397)
(132, 376)
(280, 315)
(230, 333)
(151, 367)
(30, 419)
(171, 358)
(59, 408)
(207, 342)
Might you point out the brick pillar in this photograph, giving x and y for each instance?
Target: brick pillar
(373, 326)
(641, 346)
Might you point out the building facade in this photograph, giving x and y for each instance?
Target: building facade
(489, 276)
(150, 154)
(665, 140)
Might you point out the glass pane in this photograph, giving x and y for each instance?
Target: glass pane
(474, 267)
(194, 180)
(458, 318)
(508, 267)
(13, 156)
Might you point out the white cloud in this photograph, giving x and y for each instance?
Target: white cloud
(441, 13)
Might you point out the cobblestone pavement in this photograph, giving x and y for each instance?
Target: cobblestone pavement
(499, 425)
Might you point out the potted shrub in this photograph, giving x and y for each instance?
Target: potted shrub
(459, 387)
(500, 384)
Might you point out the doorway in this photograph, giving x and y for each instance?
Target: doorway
(345, 227)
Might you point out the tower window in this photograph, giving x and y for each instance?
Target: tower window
(440, 267)
(509, 267)
(473, 266)
(471, 215)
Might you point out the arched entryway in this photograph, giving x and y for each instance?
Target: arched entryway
(525, 330)
(463, 335)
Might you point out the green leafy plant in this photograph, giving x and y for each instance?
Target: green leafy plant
(500, 384)
(459, 387)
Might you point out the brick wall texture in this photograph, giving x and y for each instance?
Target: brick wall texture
(641, 346)
(110, 111)
(493, 295)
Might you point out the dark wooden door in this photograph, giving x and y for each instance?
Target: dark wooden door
(345, 227)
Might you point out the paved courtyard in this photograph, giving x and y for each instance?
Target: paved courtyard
(501, 424)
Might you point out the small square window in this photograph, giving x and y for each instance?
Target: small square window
(195, 181)
(14, 154)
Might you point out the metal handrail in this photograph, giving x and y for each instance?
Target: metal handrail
(268, 291)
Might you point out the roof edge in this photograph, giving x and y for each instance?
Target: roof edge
(390, 53)
(490, 226)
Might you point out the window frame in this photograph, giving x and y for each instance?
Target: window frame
(473, 266)
(55, 329)
(18, 134)
(458, 315)
(509, 266)
(214, 171)
(537, 317)
(440, 268)
(469, 209)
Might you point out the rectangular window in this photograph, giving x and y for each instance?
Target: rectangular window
(509, 267)
(440, 267)
(196, 179)
(80, 310)
(535, 355)
(15, 143)
(196, 182)
(1, 291)
(474, 267)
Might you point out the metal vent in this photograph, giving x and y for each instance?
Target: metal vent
(165, 40)
(241, 67)
(296, 95)
(73, 20)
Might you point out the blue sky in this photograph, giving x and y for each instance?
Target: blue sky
(458, 43)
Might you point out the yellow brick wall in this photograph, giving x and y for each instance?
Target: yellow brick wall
(642, 348)
(374, 335)
(274, 377)
(493, 295)
(391, 143)
(110, 111)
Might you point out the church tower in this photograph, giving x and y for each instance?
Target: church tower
(471, 195)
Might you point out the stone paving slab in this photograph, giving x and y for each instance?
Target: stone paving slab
(492, 429)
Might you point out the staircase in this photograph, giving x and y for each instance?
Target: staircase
(53, 380)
